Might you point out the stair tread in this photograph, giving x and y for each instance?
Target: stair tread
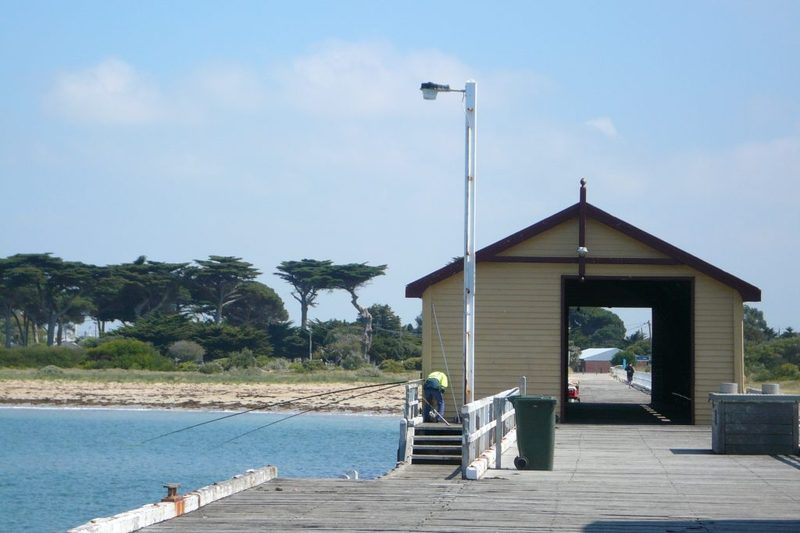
(430, 459)
(438, 437)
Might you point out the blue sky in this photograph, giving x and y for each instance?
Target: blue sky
(281, 130)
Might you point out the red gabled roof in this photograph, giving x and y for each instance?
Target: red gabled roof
(750, 293)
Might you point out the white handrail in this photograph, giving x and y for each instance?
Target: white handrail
(479, 419)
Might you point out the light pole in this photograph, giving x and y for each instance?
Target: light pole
(308, 330)
(429, 92)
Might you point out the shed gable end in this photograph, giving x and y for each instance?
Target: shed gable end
(561, 241)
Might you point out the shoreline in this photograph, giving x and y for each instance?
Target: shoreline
(217, 397)
(71, 407)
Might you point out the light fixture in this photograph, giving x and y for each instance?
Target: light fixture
(582, 251)
(430, 90)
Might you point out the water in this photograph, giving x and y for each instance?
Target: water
(60, 468)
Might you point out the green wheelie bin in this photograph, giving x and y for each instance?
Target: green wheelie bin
(536, 431)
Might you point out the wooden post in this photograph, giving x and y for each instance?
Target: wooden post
(466, 431)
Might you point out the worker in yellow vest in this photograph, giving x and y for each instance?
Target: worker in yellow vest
(433, 389)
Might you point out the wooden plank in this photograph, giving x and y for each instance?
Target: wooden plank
(610, 478)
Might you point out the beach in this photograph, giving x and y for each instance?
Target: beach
(205, 396)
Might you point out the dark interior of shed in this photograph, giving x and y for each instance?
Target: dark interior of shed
(670, 300)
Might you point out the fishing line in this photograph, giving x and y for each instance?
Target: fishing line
(444, 355)
(276, 404)
(313, 409)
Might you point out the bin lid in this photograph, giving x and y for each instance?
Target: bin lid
(532, 398)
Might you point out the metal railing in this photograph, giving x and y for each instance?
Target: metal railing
(641, 380)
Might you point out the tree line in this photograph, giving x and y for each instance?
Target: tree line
(769, 355)
(216, 303)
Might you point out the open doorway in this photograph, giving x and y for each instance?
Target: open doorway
(655, 336)
(609, 365)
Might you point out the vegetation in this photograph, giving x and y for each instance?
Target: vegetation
(768, 355)
(595, 327)
(207, 316)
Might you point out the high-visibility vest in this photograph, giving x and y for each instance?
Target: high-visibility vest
(441, 377)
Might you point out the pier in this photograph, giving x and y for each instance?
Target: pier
(657, 476)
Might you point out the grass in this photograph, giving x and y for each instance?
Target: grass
(787, 387)
(236, 376)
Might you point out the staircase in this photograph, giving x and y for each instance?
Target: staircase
(437, 444)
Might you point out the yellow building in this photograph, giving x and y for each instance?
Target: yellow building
(583, 256)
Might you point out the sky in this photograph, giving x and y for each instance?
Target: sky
(277, 131)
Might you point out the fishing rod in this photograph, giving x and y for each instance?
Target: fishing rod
(435, 412)
(313, 409)
(276, 404)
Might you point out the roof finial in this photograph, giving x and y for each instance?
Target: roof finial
(583, 183)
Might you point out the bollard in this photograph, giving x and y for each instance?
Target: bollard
(770, 388)
(172, 492)
(728, 388)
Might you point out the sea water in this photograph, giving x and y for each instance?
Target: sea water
(60, 468)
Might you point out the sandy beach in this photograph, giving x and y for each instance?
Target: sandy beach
(206, 396)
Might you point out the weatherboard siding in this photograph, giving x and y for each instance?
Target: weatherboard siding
(559, 241)
(603, 241)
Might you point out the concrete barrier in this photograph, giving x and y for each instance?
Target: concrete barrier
(158, 512)
(755, 423)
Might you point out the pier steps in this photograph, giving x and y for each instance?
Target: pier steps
(437, 444)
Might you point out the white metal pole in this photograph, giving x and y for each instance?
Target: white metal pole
(469, 242)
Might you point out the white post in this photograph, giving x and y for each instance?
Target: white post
(469, 242)
(499, 408)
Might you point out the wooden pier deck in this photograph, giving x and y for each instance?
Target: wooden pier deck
(606, 477)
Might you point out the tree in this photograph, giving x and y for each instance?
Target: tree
(384, 318)
(55, 288)
(222, 339)
(308, 277)
(341, 341)
(107, 295)
(160, 330)
(390, 339)
(755, 327)
(595, 327)
(257, 306)
(574, 357)
(351, 277)
(149, 287)
(216, 283)
(288, 341)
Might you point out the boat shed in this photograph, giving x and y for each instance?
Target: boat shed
(595, 360)
(584, 256)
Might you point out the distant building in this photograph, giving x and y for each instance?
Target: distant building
(597, 360)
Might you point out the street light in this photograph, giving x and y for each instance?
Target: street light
(429, 92)
(308, 330)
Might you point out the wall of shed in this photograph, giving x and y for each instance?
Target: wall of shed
(596, 367)
(518, 317)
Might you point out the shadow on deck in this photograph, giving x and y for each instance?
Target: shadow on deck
(626, 414)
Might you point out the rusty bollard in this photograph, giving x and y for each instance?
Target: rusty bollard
(172, 492)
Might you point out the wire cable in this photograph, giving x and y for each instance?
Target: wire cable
(311, 409)
(276, 404)
(444, 356)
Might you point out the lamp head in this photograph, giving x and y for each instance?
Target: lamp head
(582, 251)
(430, 90)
